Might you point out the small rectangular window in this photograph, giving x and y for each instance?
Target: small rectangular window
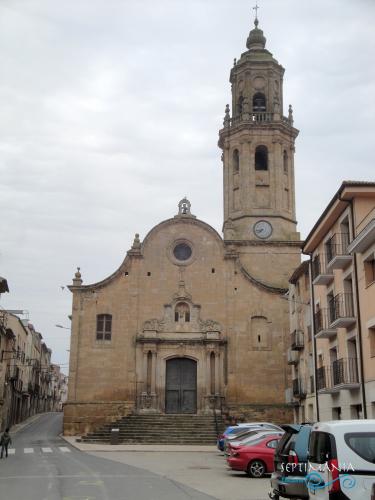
(103, 327)
(370, 271)
(371, 334)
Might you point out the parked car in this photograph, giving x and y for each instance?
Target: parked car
(240, 428)
(247, 439)
(290, 463)
(257, 459)
(343, 454)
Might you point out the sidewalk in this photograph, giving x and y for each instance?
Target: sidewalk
(102, 447)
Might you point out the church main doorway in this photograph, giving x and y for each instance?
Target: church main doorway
(181, 386)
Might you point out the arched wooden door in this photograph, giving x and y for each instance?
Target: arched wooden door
(181, 386)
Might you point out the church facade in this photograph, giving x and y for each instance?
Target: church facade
(193, 322)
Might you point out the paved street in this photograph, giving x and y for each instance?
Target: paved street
(43, 466)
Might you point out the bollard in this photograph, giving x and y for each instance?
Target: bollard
(115, 436)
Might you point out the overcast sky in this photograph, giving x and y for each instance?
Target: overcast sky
(110, 112)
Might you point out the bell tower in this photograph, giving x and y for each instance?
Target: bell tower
(258, 150)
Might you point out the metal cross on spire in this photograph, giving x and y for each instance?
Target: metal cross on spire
(256, 13)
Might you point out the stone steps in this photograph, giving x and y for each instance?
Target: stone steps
(160, 429)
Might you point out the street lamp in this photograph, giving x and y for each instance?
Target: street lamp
(64, 327)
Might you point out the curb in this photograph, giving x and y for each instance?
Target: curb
(137, 447)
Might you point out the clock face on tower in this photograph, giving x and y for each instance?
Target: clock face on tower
(262, 229)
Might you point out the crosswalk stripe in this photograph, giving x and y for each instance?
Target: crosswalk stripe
(28, 450)
(47, 450)
(11, 451)
(64, 449)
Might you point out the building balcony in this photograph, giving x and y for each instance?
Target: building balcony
(299, 390)
(292, 357)
(321, 275)
(339, 375)
(323, 328)
(289, 398)
(364, 239)
(342, 310)
(297, 340)
(256, 117)
(338, 255)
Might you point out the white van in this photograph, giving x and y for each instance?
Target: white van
(342, 460)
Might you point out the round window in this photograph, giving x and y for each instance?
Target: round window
(182, 251)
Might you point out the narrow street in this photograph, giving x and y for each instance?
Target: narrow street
(42, 466)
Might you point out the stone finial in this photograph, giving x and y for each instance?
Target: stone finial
(77, 280)
(226, 121)
(234, 61)
(136, 243)
(290, 114)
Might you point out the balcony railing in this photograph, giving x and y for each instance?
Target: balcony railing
(299, 390)
(323, 319)
(342, 307)
(337, 246)
(321, 274)
(297, 340)
(292, 357)
(340, 374)
(253, 116)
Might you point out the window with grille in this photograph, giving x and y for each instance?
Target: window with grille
(103, 327)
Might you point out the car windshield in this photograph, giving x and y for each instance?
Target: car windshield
(363, 444)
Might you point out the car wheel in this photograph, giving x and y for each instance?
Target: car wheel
(256, 469)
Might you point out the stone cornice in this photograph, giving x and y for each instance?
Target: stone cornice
(183, 341)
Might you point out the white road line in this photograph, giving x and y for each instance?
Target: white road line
(64, 449)
(11, 451)
(28, 450)
(47, 450)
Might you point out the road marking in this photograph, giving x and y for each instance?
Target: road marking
(11, 451)
(64, 449)
(91, 483)
(47, 450)
(28, 450)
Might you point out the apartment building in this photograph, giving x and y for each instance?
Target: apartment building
(341, 250)
(301, 393)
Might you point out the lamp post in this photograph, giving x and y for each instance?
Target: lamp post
(64, 327)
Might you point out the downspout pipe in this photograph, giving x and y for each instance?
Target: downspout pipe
(312, 306)
(359, 323)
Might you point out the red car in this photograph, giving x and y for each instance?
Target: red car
(256, 459)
